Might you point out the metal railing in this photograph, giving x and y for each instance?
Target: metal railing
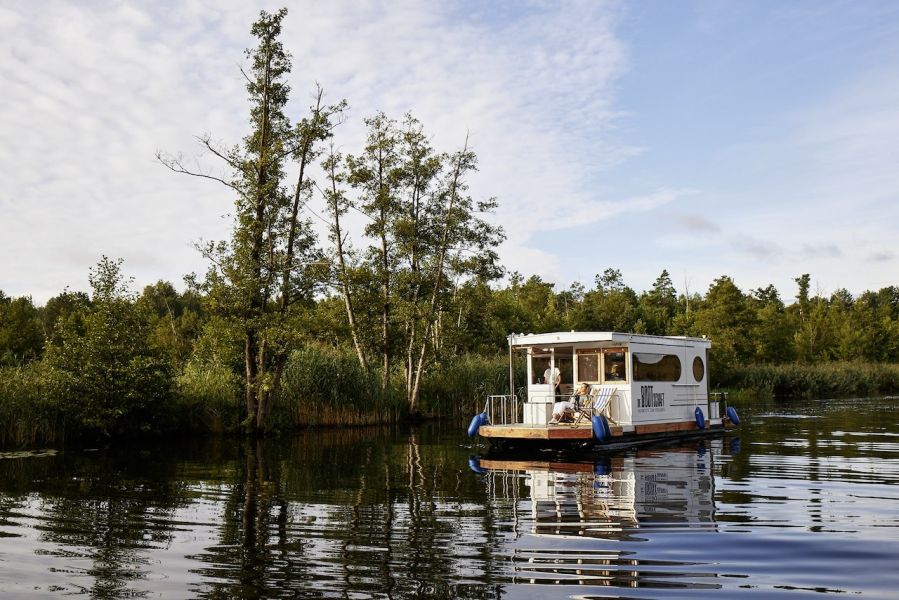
(503, 409)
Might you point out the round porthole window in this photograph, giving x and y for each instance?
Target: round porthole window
(698, 369)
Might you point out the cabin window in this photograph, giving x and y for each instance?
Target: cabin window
(539, 365)
(588, 365)
(614, 365)
(698, 369)
(656, 367)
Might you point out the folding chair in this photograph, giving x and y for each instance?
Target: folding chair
(595, 403)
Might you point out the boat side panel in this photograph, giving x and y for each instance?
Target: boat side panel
(655, 402)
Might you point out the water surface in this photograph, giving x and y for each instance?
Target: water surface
(804, 502)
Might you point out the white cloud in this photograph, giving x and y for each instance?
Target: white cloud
(92, 90)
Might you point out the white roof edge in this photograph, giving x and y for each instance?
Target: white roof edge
(556, 338)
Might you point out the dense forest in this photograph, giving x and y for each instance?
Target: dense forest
(404, 316)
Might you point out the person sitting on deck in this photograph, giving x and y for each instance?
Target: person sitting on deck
(566, 407)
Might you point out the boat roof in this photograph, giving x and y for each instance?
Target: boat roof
(558, 338)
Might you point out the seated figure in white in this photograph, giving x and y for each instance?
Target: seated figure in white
(565, 408)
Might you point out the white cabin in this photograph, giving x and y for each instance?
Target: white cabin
(656, 379)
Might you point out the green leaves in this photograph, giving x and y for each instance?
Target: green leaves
(104, 370)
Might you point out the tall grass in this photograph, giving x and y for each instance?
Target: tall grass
(208, 397)
(327, 387)
(322, 386)
(28, 416)
(460, 388)
(823, 380)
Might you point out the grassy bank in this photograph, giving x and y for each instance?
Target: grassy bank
(823, 380)
(325, 387)
(28, 415)
(320, 387)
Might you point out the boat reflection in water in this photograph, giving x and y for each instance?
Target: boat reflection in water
(587, 523)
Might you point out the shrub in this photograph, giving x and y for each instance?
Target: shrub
(104, 374)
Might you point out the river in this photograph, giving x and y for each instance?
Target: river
(802, 500)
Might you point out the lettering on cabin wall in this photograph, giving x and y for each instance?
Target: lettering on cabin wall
(655, 486)
(650, 401)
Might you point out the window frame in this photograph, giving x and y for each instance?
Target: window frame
(664, 355)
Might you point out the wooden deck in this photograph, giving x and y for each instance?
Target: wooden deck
(583, 431)
(563, 431)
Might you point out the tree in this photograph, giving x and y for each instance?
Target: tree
(21, 334)
(724, 317)
(265, 276)
(428, 237)
(610, 306)
(658, 306)
(463, 246)
(63, 310)
(812, 337)
(338, 205)
(375, 174)
(104, 370)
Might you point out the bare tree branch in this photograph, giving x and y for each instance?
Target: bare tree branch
(175, 164)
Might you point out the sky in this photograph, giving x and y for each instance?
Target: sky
(755, 139)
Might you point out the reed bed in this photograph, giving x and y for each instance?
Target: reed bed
(327, 387)
(822, 380)
(321, 386)
(28, 417)
(460, 388)
(208, 397)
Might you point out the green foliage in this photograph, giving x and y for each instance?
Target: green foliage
(105, 371)
(63, 311)
(21, 333)
(208, 397)
(28, 417)
(327, 386)
(824, 380)
(459, 388)
(175, 320)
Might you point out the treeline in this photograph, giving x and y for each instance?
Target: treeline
(116, 362)
(754, 327)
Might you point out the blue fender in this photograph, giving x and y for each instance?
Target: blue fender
(603, 466)
(476, 423)
(601, 429)
(474, 463)
(700, 418)
(732, 415)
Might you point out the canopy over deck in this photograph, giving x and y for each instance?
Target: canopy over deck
(566, 338)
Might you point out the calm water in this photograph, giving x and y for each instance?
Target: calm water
(805, 502)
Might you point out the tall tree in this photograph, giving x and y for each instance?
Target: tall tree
(375, 174)
(464, 246)
(658, 305)
(338, 205)
(725, 318)
(267, 272)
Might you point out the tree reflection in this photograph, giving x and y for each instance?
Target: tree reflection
(350, 512)
(103, 514)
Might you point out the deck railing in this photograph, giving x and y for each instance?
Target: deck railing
(503, 409)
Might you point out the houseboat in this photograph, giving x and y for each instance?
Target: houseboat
(605, 390)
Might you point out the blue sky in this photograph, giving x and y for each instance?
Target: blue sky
(754, 139)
